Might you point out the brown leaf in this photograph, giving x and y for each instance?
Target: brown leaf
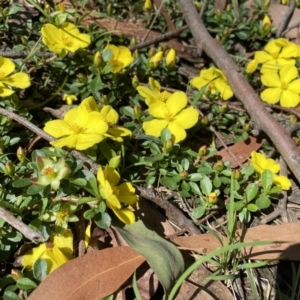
(93, 276)
(240, 151)
(196, 288)
(286, 236)
(277, 12)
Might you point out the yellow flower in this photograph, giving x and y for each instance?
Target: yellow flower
(19, 80)
(251, 66)
(173, 115)
(110, 116)
(283, 87)
(153, 94)
(65, 38)
(69, 98)
(277, 53)
(215, 82)
(80, 129)
(260, 163)
(56, 253)
(116, 196)
(171, 58)
(266, 22)
(121, 58)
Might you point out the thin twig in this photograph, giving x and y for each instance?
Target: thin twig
(33, 236)
(286, 18)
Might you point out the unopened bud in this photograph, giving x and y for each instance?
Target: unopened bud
(293, 119)
(266, 23)
(137, 111)
(69, 98)
(9, 169)
(204, 121)
(109, 9)
(104, 100)
(202, 151)
(251, 66)
(212, 198)
(16, 274)
(171, 59)
(265, 4)
(228, 8)
(24, 40)
(133, 41)
(155, 60)
(218, 14)
(236, 174)
(21, 155)
(61, 8)
(247, 127)
(218, 166)
(147, 5)
(97, 61)
(224, 108)
(151, 52)
(226, 32)
(184, 174)
(135, 54)
(135, 82)
(168, 145)
(198, 4)
(114, 162)
(81, 78)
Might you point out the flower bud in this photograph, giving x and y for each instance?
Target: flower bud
(204, 121)
(251, 66)
(147, 5)
(81, 78)
(184, 174)
(218, 166)
(224, 108)
(61, 8)
(155, 60)
(151, 52)
(21, 155)
(69, 98)
(97, 61)
(212, 198)
(226, 32)
(9, 169)
(16, 274)
(133, 41)
(137, 111)
(135, 54)
(171, 59)
(135, 81)
(218, 14)
(228, 8)
(24, 40)
(198, 5)
(266, 23)
(104, 100)
(115, 162)
(236, 174)
(168, 145)
(293, 119)
(202, 151)
(265, 4)
(247, 127)
(109, 9)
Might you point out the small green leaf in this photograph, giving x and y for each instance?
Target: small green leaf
(266, 179)
(263, 202)
(165, 135)
(90, 213)
(21, 182)
(217, 182)
(102, 220)
(199, 211)
(195, 188)
(9, 295)
(26, 284)
(170, 182)
(251, 191)
(96, 84)
(195, 177)
(127, 111)
(35, 189)
(40, 269)
(206, 185)
(252, 207)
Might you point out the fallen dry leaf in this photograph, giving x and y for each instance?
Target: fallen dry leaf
(277, 12)
(90, 277)
(286, 236)
(240, 151)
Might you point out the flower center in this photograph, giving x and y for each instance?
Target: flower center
(116, 190)
(77, 129)
(168, 116)
(2, 74)
(49, 171)
(284, 85)
(275, 54)
(65, 40)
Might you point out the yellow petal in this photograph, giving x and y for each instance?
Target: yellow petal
(159, 110)
(154, 127)
(288, 73)
(224, 89)
(109, 114)
(271, 95)
(283, 182)
(32, 255)
(263, 56)
(20, 80)
(6, 67)
(177, 131)
(90, 104)
(87, 140)
(294, 86)
(154, 84)
(111, 175)
(125, 56)
(187, 118)
(127, 193)
(289, 99)
(58, 128)
(87, 236)
(69, 141)
(125, 215)
(176, 103)
(64, 242)
(271, 79)
(4, 91)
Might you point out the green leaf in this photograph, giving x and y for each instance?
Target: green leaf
(85, 200)
(127, 111)
(26, 284)
(217, 182)
(107, 55)
(35, 189)
(40, 269)
(206, 185)
(195, 177)
(102, 220)
(252, 207)
(266, 179)
(9, 295)
(185, 164)
(21, 182)
(90, 213)
(195, 188)
(78, 181)
(249, 170)
(242, 35)
(165, 135)
(263, 202)
(96, 84)
(163, 257)
(169, 182)
(251, 191)
(199, 211)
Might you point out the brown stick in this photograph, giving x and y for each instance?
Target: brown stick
(243, 91)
